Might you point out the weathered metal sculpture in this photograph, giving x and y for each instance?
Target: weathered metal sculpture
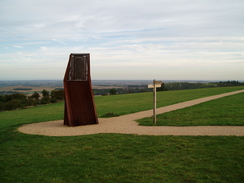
(79, 101)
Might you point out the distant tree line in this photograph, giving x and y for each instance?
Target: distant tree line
(165, 87)
(125, 90)
(229, 83)
(187, 85)
(21, 101)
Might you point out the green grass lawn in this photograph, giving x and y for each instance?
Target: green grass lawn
(117, 104)
(117, 157)
(227, 111)
(131, 103)
(120, 158)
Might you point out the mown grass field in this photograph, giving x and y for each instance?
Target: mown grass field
(226, 111)
(117, 157)
(130, 103)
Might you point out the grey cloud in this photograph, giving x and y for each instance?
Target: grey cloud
(184, 32)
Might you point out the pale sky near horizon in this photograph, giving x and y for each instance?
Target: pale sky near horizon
(127, 39)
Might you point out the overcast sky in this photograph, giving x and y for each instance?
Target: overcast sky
(126, 39)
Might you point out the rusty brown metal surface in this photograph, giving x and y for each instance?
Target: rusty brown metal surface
(79, 101)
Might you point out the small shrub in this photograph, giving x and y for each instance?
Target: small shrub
(12, 105)
(45, 100)
(22, 106)
(109, 114)
(54, 100)
(1, 106)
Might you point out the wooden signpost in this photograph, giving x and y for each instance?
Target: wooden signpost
(156, 84)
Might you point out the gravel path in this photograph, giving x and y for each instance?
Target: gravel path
(127, 125)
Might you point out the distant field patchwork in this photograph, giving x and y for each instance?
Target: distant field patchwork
(26, 88)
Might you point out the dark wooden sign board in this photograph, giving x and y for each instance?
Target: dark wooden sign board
(79, 101)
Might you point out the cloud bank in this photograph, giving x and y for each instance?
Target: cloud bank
(136, 39)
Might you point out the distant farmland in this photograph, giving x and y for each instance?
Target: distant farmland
(40, 88)
(26, 88)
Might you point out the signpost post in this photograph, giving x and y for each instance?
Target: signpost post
(156, 84)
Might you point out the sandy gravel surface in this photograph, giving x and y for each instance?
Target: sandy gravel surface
(127, 125)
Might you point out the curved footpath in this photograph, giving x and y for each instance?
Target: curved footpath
(127, 125)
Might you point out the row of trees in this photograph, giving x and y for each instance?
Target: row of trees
(21, 101)
(187, 85)
(18, 100)
(229, 83)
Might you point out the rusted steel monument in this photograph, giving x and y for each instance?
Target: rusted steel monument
(79, 101)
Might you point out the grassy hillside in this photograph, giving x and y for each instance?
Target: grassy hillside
(130, 103)
(226, 111)
(120, 158)
(117, 157)
(118, 104)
